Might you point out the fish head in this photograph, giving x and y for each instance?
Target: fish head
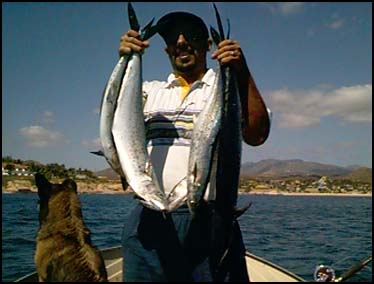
(148, 190)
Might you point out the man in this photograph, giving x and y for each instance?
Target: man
(174, 248)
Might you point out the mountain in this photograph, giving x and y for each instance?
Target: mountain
(272, 168)
(108, 173)
(285, 168)
(362, 174)
(353, 167)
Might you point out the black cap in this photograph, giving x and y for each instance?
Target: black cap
(175, 23)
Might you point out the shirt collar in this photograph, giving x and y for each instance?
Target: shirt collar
(208, 78)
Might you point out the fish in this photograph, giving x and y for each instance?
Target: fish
(229, 144)
(178, 195)
(108, 105)
(203, 143)
(225, 172)
(128, 130)
(109, 100)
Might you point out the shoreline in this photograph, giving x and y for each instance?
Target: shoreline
(115, 187)
(355, 194)
(309, 194)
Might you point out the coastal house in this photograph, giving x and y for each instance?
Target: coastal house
(16, 170)
(323, 184)
(22, 171)
(80, 176)
(262, 188)
(311, 189)
(5, 172)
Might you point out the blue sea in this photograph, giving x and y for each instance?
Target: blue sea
(295, 232)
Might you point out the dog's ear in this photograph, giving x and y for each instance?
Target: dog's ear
(42, 184)
(69, 183)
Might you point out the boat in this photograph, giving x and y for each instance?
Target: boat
(259, 269)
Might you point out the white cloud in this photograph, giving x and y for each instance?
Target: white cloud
(295, 109)
(352, 103)
(38, 136)
(48, 117)
(288, 8)
(285, 8)
(335, 22)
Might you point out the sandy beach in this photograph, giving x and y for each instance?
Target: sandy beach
(308, 194)
(115, 187)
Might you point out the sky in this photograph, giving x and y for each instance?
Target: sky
(312, 63)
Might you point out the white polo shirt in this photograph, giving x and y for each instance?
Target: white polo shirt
(170, 110)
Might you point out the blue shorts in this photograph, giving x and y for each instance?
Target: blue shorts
(159, 248)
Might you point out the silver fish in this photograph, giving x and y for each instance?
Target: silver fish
(108, 105)
(225, 169)
(129, 136)
(122, 130)
(202, 146)
(178, 195)
(110, 95)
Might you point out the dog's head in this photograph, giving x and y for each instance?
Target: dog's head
(46, 190)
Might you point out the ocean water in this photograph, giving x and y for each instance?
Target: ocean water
(295, 232)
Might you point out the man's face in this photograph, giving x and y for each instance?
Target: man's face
(187, 55)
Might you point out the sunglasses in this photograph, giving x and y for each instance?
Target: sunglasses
(189, 34)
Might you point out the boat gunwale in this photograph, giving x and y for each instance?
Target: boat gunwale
(109, 251)
(275, 266)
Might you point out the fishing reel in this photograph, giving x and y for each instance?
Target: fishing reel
(324, 273)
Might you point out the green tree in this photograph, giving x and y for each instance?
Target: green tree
(10, 167)
(7, 159)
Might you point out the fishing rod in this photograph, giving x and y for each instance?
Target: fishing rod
(354, 269)
(325, 273)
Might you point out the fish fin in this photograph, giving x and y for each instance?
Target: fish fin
(178, 200)
(219, 23)
(228, 28)
(99, 152)
(124, 183)
(149, 204)
(151, 31)
(147, 26)
(214, 163)
(133, 20)
(215, 36)
(148, 168)
(194, 175)
(238, 211)
(195, 171)
(176, 186)
(148, 31)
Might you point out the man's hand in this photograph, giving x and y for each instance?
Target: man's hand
(130, 42)
(230, 53)
(256, 123)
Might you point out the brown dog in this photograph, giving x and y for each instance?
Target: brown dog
(64, 251)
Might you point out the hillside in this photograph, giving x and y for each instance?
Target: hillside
(286, 168)
(362, 174)
(272, 168)
(108, 173)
